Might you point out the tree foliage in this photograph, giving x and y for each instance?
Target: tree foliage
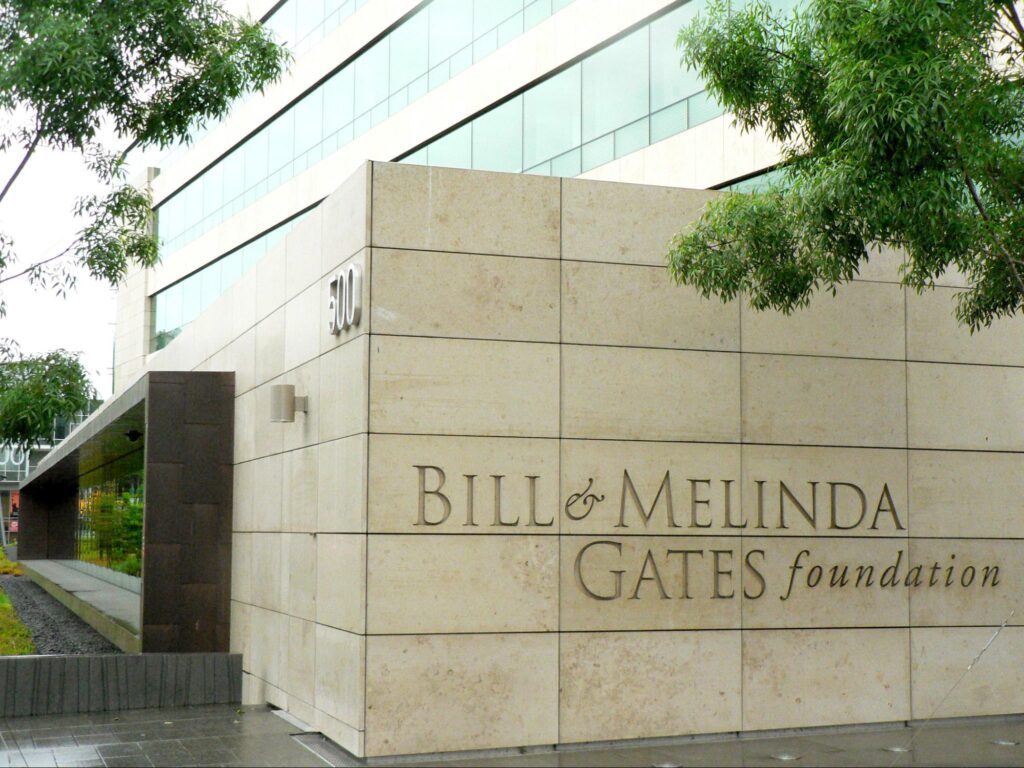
(901, 122)
(35, 390)
(150, 70)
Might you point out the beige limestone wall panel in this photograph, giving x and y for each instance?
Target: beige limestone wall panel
(268, 650)
(245, 427)
(268, 437)
(270, 280)
(240, 357)
(241, 629)
(855, 491)
(645, 488)
(268, 582)
(650, 582)
(303, 253)
(934, 335)
(243, 498)
(341, 485)
(254, 690)
(344, 390)
(345, 223)
(299, 575)
(268, 479)
(464, 295)
(805, 582)
(304, 431)
(883, 264)
(620, 393)
(810, 678)
(498, 690)
(341, 675)
(241, 567)
(444, 584)
(211, 331)
(600, 306)
(942, 686)
(270, 346)
(299, 491)
(341, 581)
(275, 696)
(962, 493)
(824, 401)
(863, 319)
(301, 676)
(441, 386)
(981, 407)
(628, 224)
(520, 473)
(243, 303)
(303, 327)
(444, 209)
(364, 263)
(985, 579)
(615, 685)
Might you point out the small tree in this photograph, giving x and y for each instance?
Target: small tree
(152, 70)
(35, 390)
(901, 122)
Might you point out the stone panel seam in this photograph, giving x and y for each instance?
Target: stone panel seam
(306, 447)
(561, 409)
(910, 502)
(742, 434)
(818, 356)
(366, 468)
(849, 446)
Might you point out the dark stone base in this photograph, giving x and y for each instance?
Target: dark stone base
(63, 685)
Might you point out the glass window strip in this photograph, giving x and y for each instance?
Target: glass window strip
(676, 101)
(178, 304)
(178, 222)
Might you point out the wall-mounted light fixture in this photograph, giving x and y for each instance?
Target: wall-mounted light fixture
(284, 403)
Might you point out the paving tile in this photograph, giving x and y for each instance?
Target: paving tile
(95, 739)
(119, 750)
(52, 742)
(138, 760)
(40, 758)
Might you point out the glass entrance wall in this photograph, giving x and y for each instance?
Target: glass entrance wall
(110, 514)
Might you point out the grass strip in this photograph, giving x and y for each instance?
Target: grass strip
(15, 638)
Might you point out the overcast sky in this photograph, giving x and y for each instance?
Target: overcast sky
(37, 214)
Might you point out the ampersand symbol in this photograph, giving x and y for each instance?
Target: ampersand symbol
(589, 500)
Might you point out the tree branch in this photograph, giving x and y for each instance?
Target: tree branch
(1014, 17)
(37, 265)
(21, 166)
(1007, 256)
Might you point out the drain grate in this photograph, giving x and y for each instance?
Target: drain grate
(327, 750)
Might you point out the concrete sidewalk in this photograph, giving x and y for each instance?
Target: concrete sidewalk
(213, 735)
(223, 735)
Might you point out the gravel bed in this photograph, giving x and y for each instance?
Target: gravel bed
(55, 629)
